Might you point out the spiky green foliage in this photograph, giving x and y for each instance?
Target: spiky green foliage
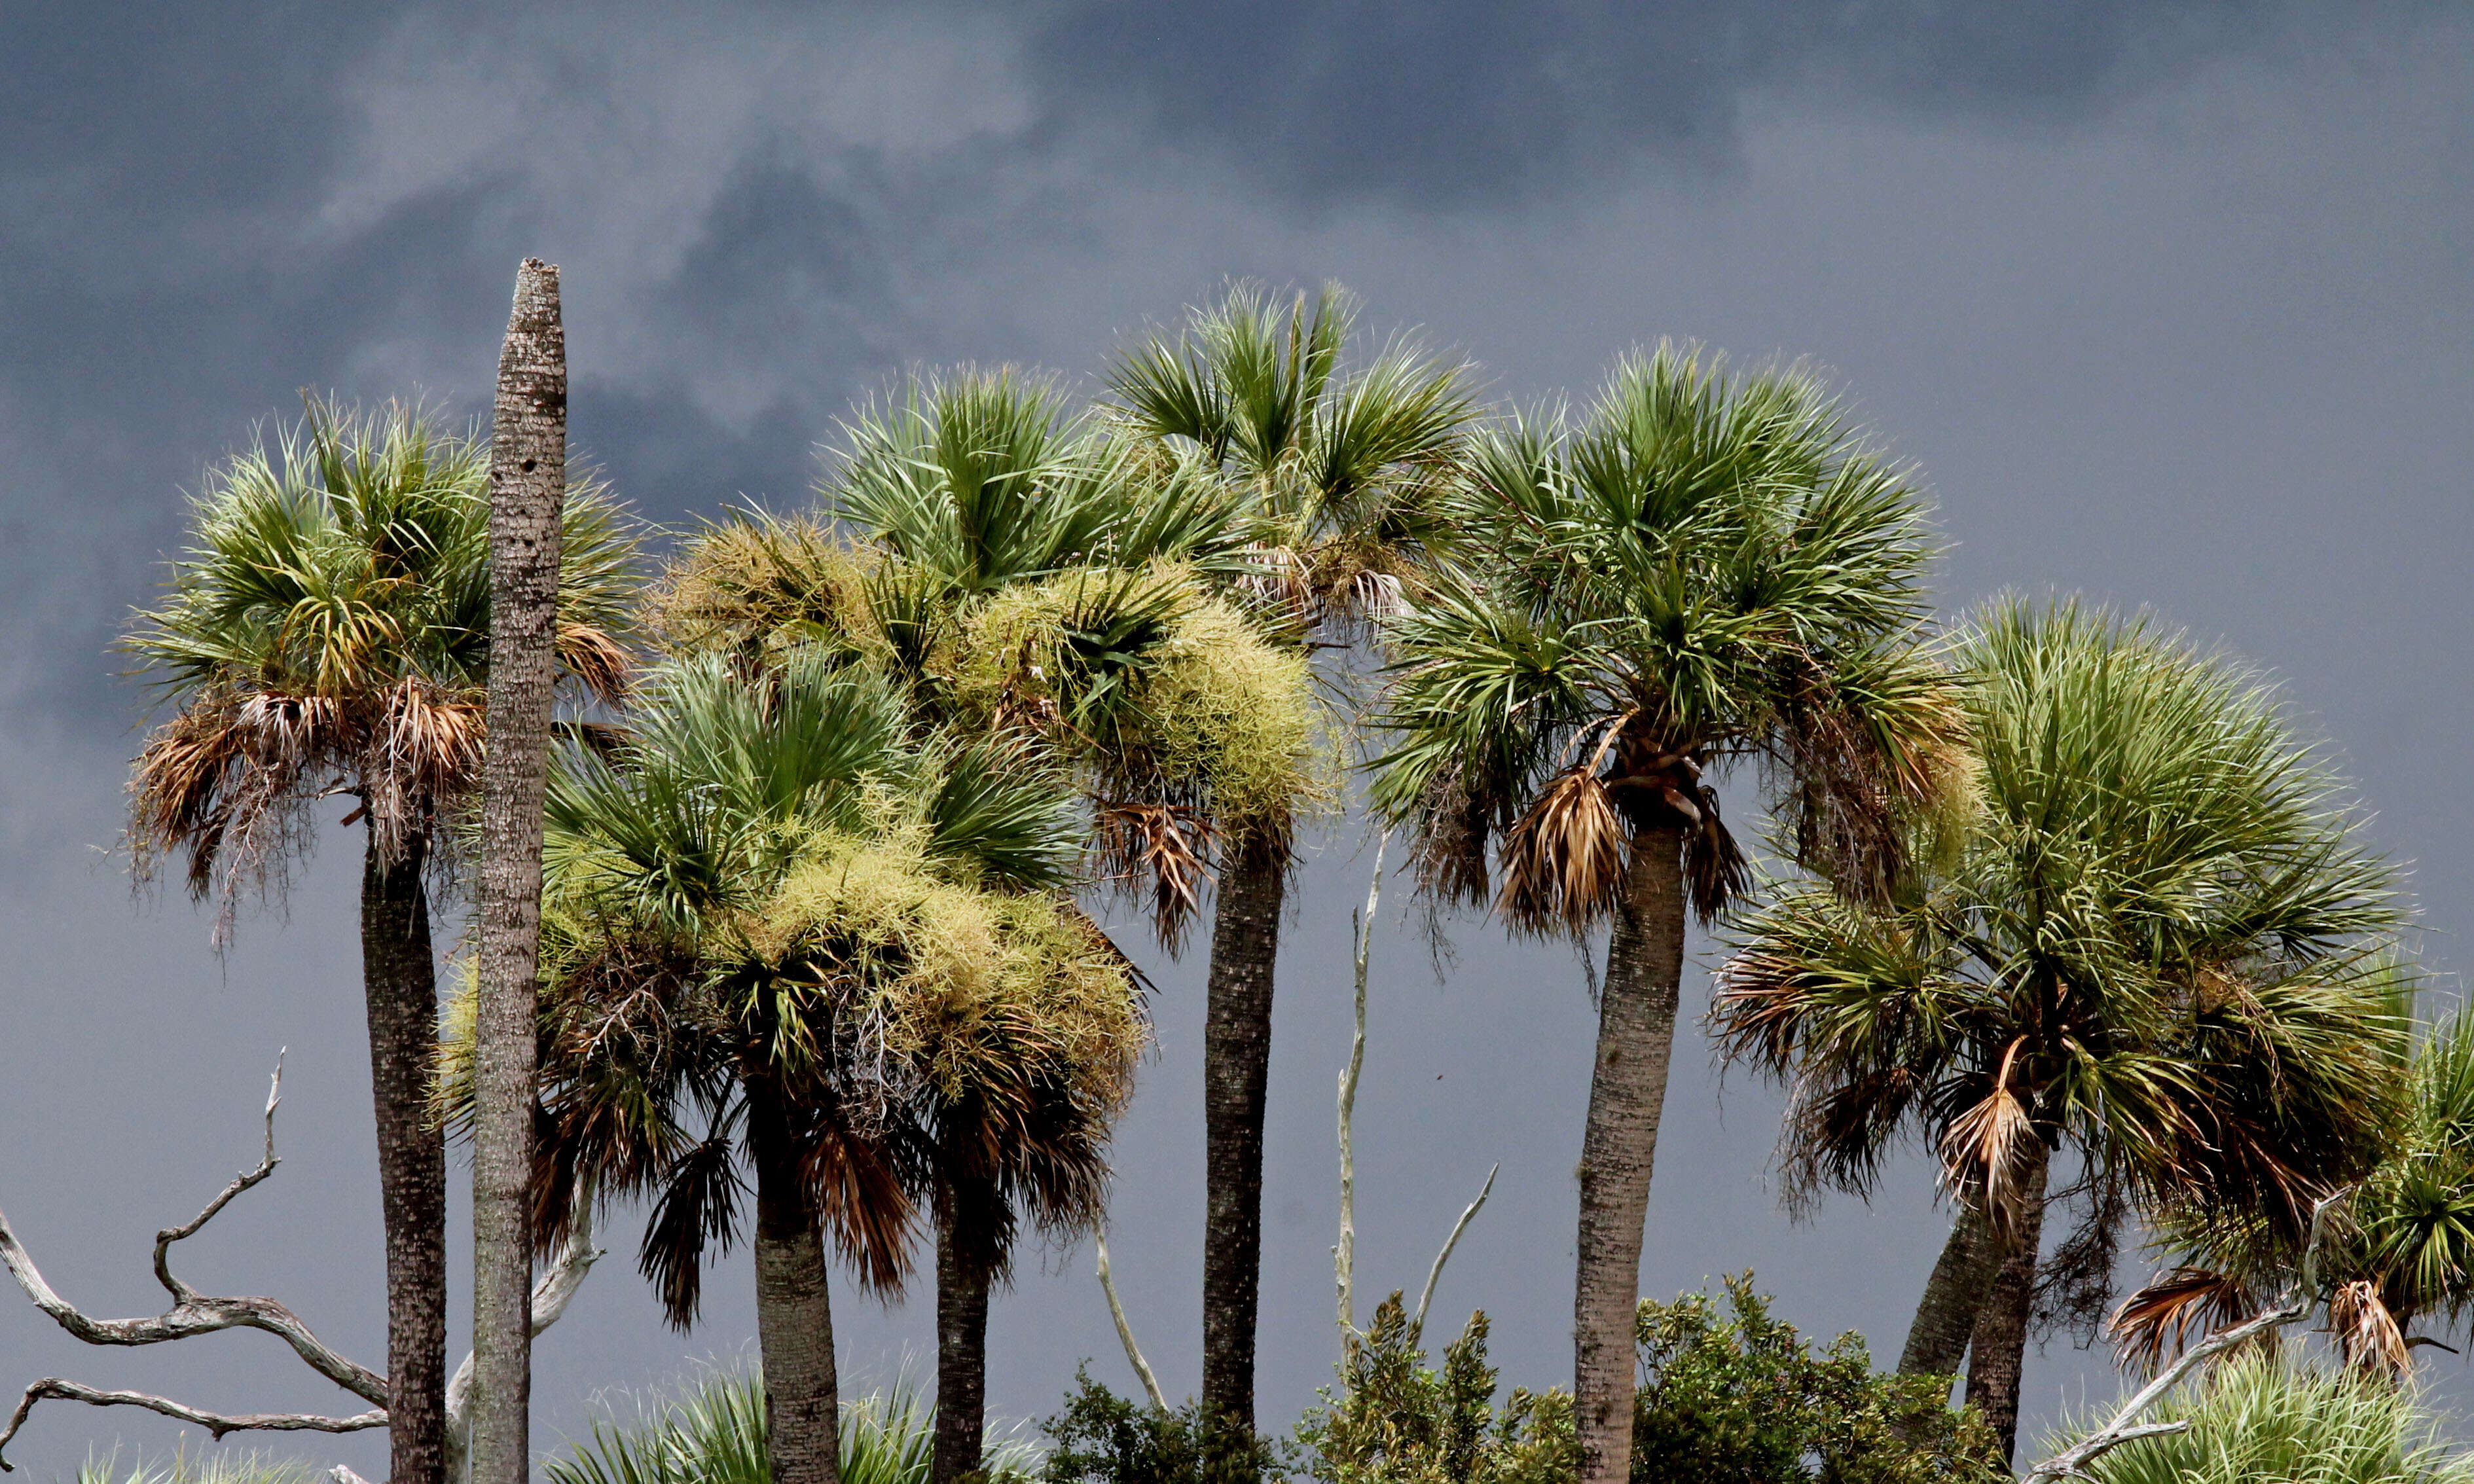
(2266, 1415)
(983, 480)
(328, 628)
(253, 1468)
(1743, 1400)
(2396, 1259)
(711, 1430)
(1396, 1421)
(779, 881)
(2156, 945)
(1344, 465)
(1708, 567)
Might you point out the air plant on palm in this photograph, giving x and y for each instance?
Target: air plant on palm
(1707, 568)
(787, 933)
(2153, 944)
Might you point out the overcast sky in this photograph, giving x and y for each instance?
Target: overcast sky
(2170, 299)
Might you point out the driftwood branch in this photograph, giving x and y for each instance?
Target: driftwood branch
(192, 1313)
(216, 1424)
(1418, 1325)
(2125, 1427)
(1345, 1255)
(1125, 1331)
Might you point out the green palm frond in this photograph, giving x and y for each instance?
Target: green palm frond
(1702, 566)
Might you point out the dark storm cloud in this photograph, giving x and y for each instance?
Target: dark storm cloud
(1436, 103)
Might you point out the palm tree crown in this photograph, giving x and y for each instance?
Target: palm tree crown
(330, 628)
(1708, 567)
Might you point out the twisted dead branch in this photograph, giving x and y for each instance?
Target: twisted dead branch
(193, 1313)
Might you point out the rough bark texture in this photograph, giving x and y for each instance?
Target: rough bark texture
(794, 1312)
(527, 484)
(400, 976)
(961, 1355)
(1236, 1066)
(1997, 1347)
(1954, 1295)
(1627, 1093)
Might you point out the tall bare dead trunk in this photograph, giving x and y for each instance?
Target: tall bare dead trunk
(527, 485)
(794, 1310)
(1998, 1349)
(400, 976)
(1236, 1067)
(1954, 1295)
(963, 1284)
(1627, 1095)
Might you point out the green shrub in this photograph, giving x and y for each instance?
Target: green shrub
(1101, 1438)
(713, 1431)
(2264, 1417)
(1396, 1422)
(1743, 1401)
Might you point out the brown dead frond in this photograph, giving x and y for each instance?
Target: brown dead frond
(1988, 1147)
(1564, 859)
(1450, 854)
(2366, 1332)
(1159, 851)
(595, 661)
(2173, 1310)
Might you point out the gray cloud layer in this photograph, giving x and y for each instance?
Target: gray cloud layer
(2170, 300)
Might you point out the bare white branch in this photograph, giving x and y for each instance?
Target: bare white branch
(192, 1313)
(1345, 1255)
(1418, 1325)
(216, 1424)
(1125, 1331)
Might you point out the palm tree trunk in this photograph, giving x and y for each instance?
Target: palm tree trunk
(399, 977)
(795, 1311)
(1954, 1295)
(1236, 1067)
(962, 1354)
(528, 484)
(1997, 1350)
(1627, 1094)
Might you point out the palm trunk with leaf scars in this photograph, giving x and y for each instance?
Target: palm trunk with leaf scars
(1236, 1070)
(961, 1353)
(400, 978)
(794, 1312)
(1997, 1347)
(527, 480)
(1627, 1094)
(1954, 1295)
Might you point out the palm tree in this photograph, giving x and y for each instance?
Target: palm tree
(1708, 567)
(1344, 467)
(2153, 945)
(780, 922)
(328, 633)
(2396, 1256)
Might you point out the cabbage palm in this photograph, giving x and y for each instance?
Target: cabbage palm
(1707, 568)
(1344, 467)
(2396, 1262)
(780, 922)
(2154, 945)
(328, 633)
